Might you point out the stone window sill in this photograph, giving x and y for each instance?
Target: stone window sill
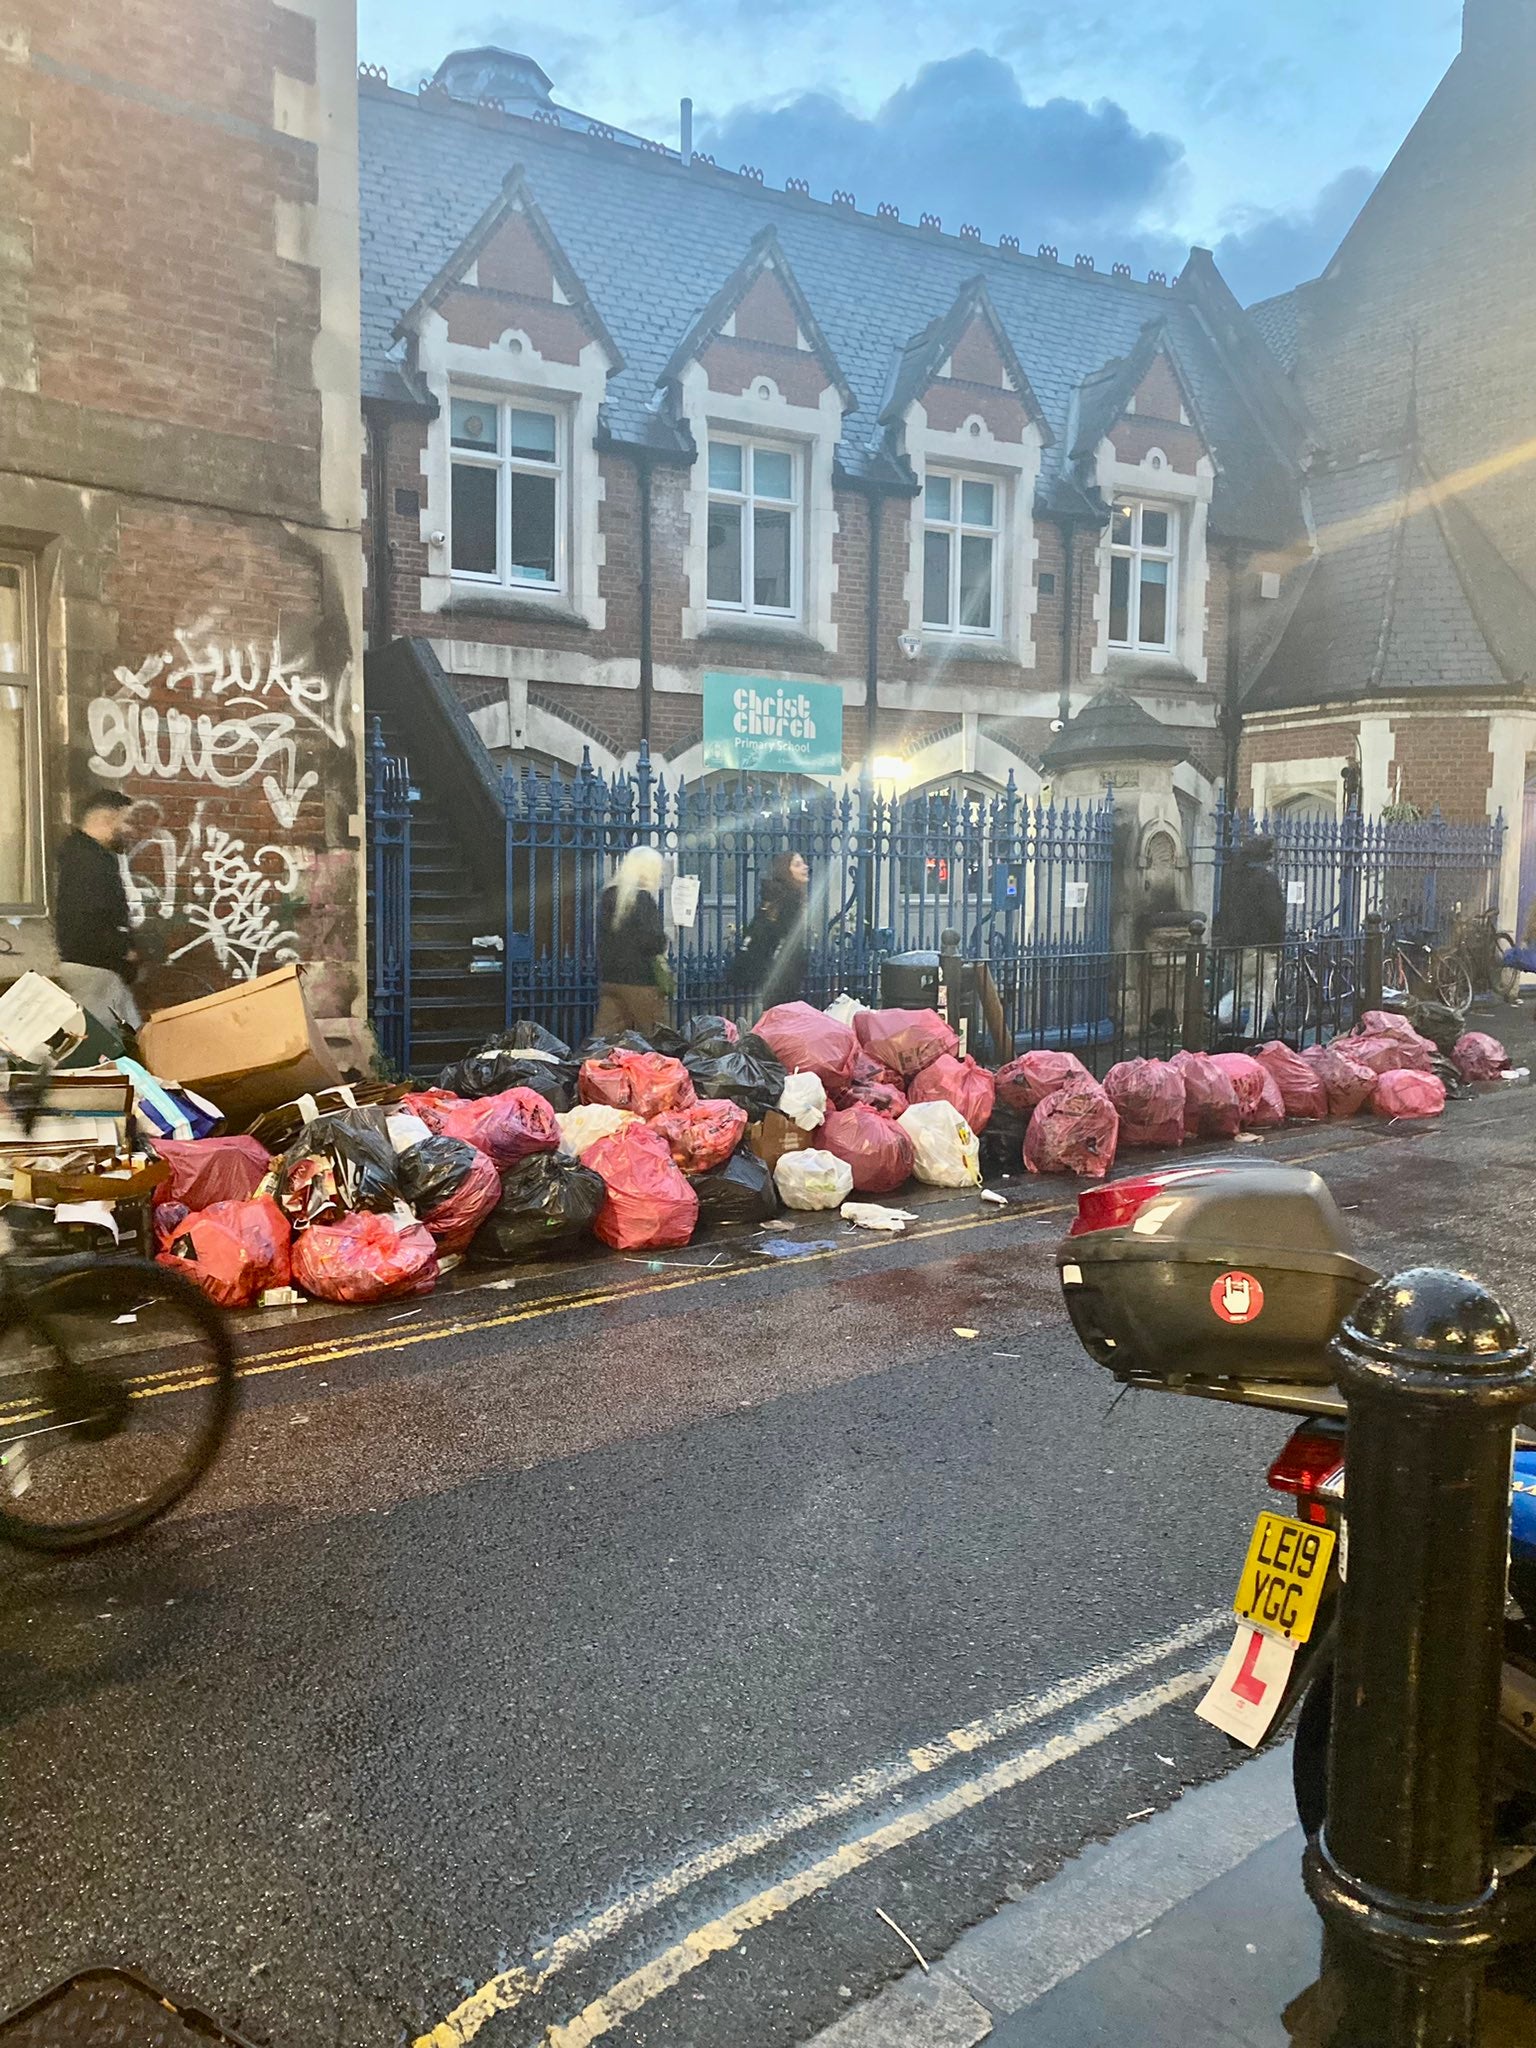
(466, 602)
(941, 648)
(1126, 665)
(761, 633)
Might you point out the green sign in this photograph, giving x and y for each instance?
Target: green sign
(769, 728)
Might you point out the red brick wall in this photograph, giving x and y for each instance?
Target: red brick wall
(1445, 764)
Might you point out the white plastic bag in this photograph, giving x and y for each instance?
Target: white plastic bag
(875, 1216)
(813, 1180)
(804, 1101)
(844, 1008)
(582, 1127)
(946, 1151)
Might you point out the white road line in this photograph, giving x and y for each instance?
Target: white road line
(638, 1990)
(512, 1988)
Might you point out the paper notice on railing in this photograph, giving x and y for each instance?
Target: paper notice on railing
(1077, 895)
(685, 899)
(1295, 892)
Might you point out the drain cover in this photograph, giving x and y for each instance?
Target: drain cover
(111, 2009)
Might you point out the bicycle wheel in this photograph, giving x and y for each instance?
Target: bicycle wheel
(1453, 984)
(117, 1385)
(1395, 974)
(1506, 980)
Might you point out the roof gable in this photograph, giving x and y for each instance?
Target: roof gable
(761, 309)
(1150, 376)
(968, 345)
(508, 268)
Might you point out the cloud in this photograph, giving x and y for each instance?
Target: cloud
(1267, 252)
(961, 140)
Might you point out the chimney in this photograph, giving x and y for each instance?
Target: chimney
(1495, 29)
(685, 131)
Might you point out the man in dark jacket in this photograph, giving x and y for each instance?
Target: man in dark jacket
(1251, 920)
(90, 911)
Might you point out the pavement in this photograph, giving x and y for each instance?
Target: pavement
(614, 1655)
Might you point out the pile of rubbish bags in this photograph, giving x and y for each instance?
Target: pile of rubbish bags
(530, 1146)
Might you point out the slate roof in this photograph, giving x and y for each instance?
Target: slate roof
(1406, 595)
(1112, 725)
(1277, 322)
(1104, 396)
(653, 243)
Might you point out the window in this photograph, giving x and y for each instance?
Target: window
(754, 520)
(507, 516)
(21, 795)
(1142, 600)
(960, 535)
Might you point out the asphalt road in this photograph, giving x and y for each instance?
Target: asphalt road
(592, 1658)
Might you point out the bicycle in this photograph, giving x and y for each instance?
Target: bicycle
(1414, 969)
(1315, 985)
(117, 1387)
(1475, 961)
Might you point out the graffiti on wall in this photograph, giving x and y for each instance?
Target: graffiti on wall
(261, 712)
(248, 715)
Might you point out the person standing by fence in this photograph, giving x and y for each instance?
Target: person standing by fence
(772, 959)
(634, 979)
(1251, 919)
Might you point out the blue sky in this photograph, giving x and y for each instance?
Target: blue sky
(1256, 128)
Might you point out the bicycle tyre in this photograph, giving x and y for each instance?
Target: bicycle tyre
(1453, 984)
(94, 1288)
(1506, 980)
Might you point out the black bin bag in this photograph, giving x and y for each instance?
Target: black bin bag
(547, 1204)
(741, 1191)
(433, 1170)
(747, 1073)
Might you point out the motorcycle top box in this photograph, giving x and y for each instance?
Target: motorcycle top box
(1211, 1273)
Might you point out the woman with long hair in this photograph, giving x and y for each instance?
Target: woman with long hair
(634, 979)
(771, 963)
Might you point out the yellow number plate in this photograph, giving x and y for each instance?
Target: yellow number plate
(1284, 1576)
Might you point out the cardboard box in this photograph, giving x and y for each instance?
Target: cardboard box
(248, 1048)
(121, 1181)
(775, 1136)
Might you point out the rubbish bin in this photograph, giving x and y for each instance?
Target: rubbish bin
(910, 981)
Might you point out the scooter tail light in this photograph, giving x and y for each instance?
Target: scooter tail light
(1114, 1204)
(1311, 1462)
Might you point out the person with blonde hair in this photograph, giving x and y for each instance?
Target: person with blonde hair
(633, 976)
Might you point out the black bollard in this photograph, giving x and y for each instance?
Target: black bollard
(1434, 1373)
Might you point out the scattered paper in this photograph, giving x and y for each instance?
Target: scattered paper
(991, 1195)
(1516, 1074)
(967, 1333)
(497, 1286)
(99, 1213)
(875, 1216)
(1247, 1138)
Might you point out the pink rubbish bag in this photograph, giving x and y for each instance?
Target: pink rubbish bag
(1302, 1088)
(456, 1218)
(1405, 1092)
(808, 1041)
(885, 1096)
(233, 1251)
(1477, 1057)
(878, 1150)
(1149, 1098)
(905, 1040)
(972, 1089)
(649, 1083)
(1074, 1130)
(1034, 1075)
(209, 1170)
(1211, 1107)
(704, 1136)
(507, 1127)
(1388, 1044)
(365, 1257)
(1347, 1084)
(648, 1204)
(1259, 1101)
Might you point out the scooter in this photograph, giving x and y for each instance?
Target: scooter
(1227, 1283)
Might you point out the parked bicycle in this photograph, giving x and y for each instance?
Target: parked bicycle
(117, 1387)
(1415, 967)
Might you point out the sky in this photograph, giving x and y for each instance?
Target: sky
(1126, 133)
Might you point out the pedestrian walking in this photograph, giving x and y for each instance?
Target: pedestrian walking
(635, 982)
(97, 958)
(772, 959)
(1251, 920)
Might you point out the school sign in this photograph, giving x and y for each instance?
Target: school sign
(766, 728)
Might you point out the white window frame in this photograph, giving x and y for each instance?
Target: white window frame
(506, 465)
(27, 680)
(958, 528)
(1135, 552)
(748, 499)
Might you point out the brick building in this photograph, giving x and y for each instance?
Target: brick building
(180, 457)
(642, 428)
(1408, 634)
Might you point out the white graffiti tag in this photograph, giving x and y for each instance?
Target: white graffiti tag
(242, 737)
(233, 901)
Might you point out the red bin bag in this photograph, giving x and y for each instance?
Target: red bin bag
(1034, 1075)
(209, 1170)
(1259, 1101)
(972, 1089)
(1074, 1130)
(878, 1151)
(906, 1041)
(1347, 1084)
(1211, 1107)
(809, 1041)
(365, 1257)
(649, 1083)
(232, 1250)
(703, 1136)
(455, 1219)
(508, 1127)
(1302, 1088)
(1388, 1044)
(1477, 1057)
(648, 1204)
(1406, 1092)
(885, 1096)
(1149, 1097)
